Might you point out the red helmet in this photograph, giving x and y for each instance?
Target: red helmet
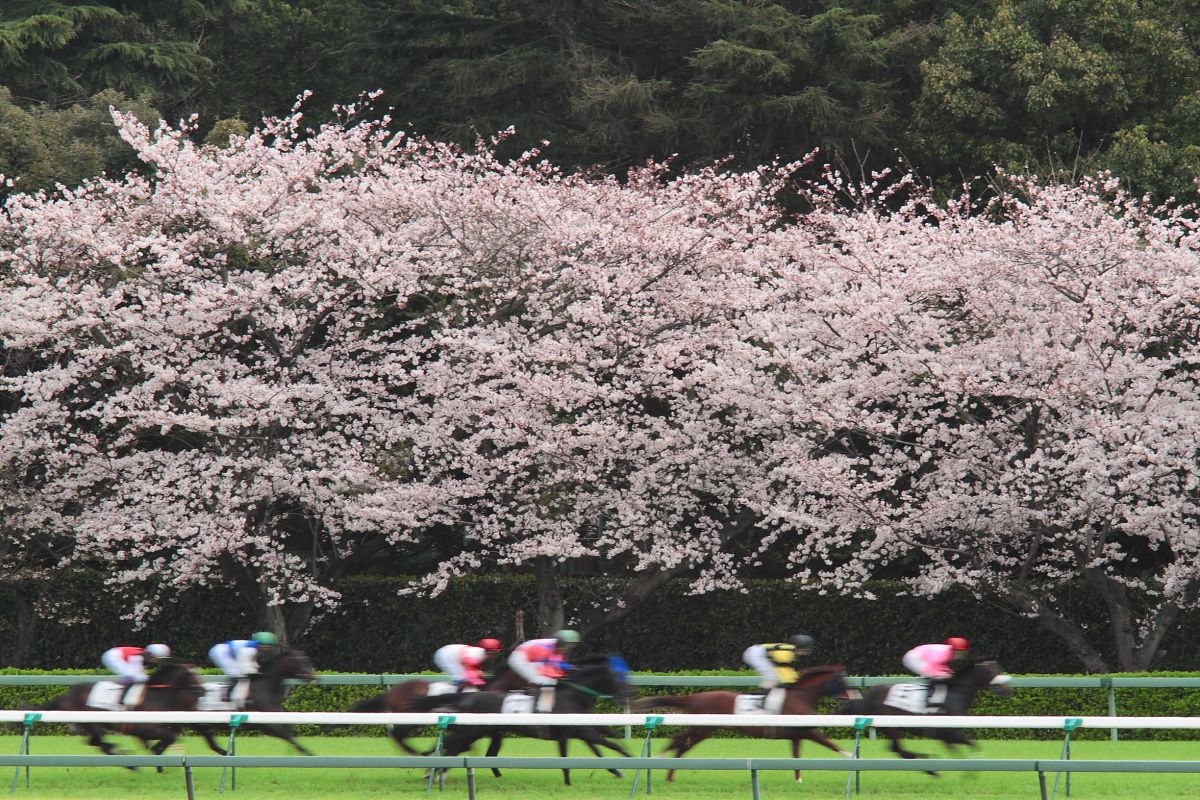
(491, 645)
(958, 643)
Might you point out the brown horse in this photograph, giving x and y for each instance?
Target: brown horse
(174, 686)
(801, 698)
(400, 699)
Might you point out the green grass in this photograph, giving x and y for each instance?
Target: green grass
(103, 783)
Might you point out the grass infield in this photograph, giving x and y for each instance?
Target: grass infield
(104, 783)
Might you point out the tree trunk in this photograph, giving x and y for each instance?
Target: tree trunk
(550, 616)
(25, 628)
(1064, 629)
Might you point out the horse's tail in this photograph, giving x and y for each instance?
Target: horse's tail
(660, 701)
(370, 705)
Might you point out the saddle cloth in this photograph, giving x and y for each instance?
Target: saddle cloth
(911, 697)
(749, 704)
(214, 698)
(106, 696)
(517, 703)
(440, 687)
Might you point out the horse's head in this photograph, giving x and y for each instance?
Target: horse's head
(827, 680)
(176, 684)
(289, 663)
(983, 673)
(603, 674)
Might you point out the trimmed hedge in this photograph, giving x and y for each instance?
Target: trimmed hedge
(376, 629)
(1024, 702)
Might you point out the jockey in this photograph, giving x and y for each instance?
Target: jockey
(774, 664)
(936, 662)
(129, 663)
(239, 660)
(542, 662)
(463, 663)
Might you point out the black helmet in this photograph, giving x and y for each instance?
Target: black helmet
(802, 642)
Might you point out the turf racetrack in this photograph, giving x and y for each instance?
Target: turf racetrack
(104, 783)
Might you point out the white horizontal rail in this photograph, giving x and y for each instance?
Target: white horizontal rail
(494, 720)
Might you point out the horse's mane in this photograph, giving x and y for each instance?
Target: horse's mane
(168, 670)
(812, 673)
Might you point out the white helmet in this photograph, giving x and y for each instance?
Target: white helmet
(158, 650)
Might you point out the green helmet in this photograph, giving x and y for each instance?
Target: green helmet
(265, 637)
(567, 637)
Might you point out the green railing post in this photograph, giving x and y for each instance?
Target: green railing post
(650, 724)
(444, 722)
(754, 783)
(235, 722)
(26, 731)
(860, 723)
(1112, 703)
(1069, 725)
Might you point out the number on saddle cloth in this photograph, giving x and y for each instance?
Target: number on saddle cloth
(106, 696)
(215, 698)
(749, 704)
(517, 702)
(915, 699)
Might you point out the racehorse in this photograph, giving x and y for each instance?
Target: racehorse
(268, 690)
(400, 699)
(801, 698)
(961, 688)
(575, 693)
(174, 686)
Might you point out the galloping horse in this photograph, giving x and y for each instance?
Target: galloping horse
(575, 693)
(801, 698)
(268, 690)
(400, 699)
(961, 689)
(174, 686)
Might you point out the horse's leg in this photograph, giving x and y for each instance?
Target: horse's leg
(285, 732)
(494, 749)
(95, 737)
(594, 739)
(899, 750)
(796, 754)
(686, 741)
(562, 753)
(820, 738)
(399, 734)
(206, 732)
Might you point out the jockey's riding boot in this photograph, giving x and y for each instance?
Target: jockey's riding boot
(239, 692)
(545, 701)
(935, 694)
(773, 702)
(133, 695)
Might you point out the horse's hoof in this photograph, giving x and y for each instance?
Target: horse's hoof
(617, 773)
(799, 779)
(846, 754)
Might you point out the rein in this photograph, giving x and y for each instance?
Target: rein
(585, 689)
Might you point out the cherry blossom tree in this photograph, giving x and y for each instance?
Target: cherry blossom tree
(264, 364)
(1009, 400)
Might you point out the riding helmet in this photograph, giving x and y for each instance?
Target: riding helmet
(567, 637)
(158, 651)
(801, 641)
(958, 643)
(265, 638)
(491, 645)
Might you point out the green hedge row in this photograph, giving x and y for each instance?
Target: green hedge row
(377, 629)
(1024, 702)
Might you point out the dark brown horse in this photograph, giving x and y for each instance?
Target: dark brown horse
(587, 680)
(400, 699)
(801, 698)
(174, 686)
(268, 689)
(961, 688)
